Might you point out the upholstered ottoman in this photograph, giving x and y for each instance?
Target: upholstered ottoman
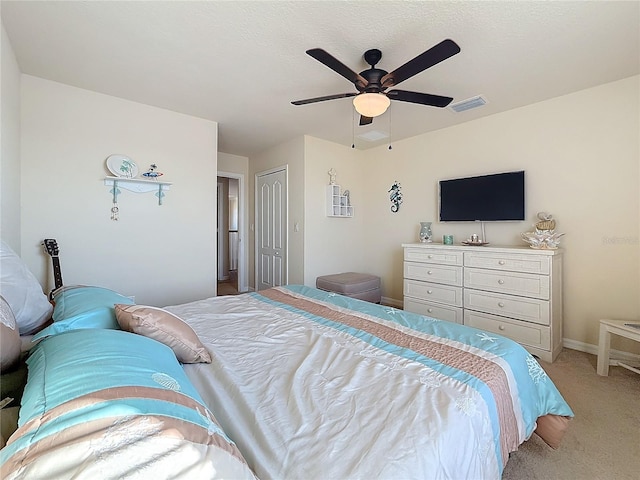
(356, 285)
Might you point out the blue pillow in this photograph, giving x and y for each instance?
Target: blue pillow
(83, 307)
(78, 363)
(100, 400)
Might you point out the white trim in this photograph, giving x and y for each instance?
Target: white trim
(219, 240)
(243, 285)
(615, 355)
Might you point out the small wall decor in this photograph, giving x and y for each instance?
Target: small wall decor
(545, 235)
(332, 176)
(347, 195)
(338, 204)
(115, 210)
(395, 196)
(121, 166)
(152, 172)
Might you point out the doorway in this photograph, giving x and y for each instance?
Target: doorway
(271, 228)
(231, 271)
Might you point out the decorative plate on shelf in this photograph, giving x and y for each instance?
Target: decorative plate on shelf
(474, 244)
(122, 166)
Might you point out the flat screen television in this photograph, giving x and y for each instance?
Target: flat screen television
(485, 198)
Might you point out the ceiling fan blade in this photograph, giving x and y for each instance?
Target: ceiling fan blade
(322, 99)
(338, 67)
(436, 54)
(421, 98)
(365, 120)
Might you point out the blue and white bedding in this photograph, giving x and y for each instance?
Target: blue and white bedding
(315, 385)
(104, 403)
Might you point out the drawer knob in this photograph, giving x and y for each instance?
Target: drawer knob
(501, 327)
(501, 262)
(429, 256)
(429, 272)
(500, 304)
(501, 282)
(429, 292)
(430, 310)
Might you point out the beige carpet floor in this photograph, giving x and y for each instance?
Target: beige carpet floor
(603, 440)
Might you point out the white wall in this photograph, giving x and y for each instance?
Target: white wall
(161, 254)
(581, 154)
(233, 163)
(9, 146)
(291, 155)
(333, 245)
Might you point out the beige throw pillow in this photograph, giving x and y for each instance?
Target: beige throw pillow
(9, 337)
(165, 327)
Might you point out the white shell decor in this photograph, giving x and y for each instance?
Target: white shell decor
(545, 235)
(166, 381)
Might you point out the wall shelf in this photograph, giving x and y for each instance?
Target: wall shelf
(338, 204)
(136, 185)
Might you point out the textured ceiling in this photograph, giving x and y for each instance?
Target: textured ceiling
(242, 63)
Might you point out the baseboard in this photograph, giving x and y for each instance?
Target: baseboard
(614, 355)
(392, 302)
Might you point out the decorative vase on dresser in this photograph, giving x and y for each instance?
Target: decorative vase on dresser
(425, 232)
(512, 291)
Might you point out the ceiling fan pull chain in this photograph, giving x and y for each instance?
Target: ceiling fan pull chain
(389, 129)
(353, 128)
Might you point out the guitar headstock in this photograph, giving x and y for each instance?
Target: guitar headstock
(51, 247)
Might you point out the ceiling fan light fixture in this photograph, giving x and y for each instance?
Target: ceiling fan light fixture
(371, 104)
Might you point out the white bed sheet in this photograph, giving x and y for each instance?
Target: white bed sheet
(315, 413)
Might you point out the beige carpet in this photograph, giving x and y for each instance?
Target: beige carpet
(603, 440)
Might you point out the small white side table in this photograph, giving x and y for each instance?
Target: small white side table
(617, 327)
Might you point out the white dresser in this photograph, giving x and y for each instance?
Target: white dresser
(513, 291)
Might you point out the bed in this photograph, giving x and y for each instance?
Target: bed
(288, 383)
(311, 384)
(103, 402)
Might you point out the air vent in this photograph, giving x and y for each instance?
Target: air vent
(468, 104)
(373, 136)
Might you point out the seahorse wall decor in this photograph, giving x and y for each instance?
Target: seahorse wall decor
(395, 195)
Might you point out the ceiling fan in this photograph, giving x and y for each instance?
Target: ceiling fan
(372, 98)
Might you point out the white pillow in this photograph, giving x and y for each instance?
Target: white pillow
(10, 342)
(22, 292)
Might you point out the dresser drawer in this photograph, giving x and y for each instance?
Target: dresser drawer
(521, 308)
(433, 273)
(514, 283)
(512, 262)
(433, 292)
(433, 310)
(525, 333)
(441, 257)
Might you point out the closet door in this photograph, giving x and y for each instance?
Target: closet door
(271, 229)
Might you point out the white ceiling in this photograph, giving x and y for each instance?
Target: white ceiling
(242, 63)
